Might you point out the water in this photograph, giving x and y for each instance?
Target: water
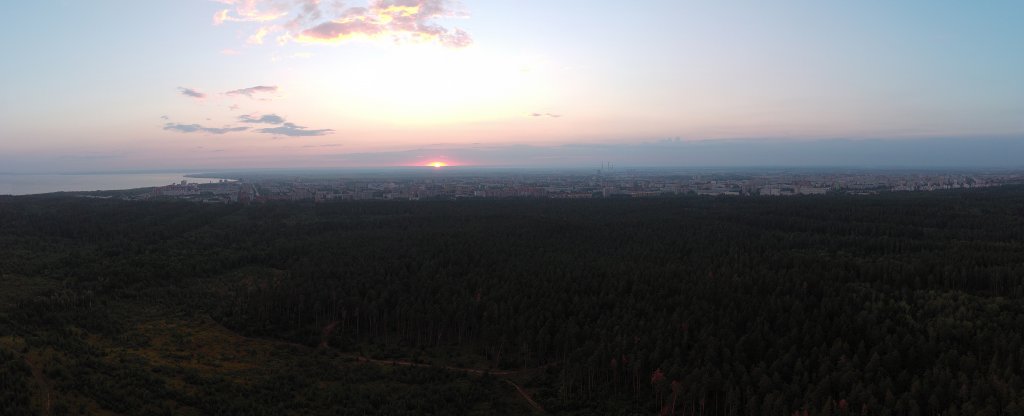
(41, 184)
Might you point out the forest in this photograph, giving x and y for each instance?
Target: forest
(891, 304)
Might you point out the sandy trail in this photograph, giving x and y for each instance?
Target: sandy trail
(44, 385)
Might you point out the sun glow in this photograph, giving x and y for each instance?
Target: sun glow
(446, 86)
(437, 164)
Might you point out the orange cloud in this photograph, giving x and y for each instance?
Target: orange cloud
(257, 38)
(399, 20)
(247, 11)
(308, 22)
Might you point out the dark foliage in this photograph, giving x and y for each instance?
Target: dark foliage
(891, 304)
(14, 392)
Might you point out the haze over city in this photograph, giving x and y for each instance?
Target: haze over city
(307, 83)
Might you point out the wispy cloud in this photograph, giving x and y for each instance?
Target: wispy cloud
(292, 130)
(284, 128)
(248, 11)
(196, 128)
(257, 38)
(545, 115)
(265, 119)
(310, 21)
(249, 92)
(189, 92)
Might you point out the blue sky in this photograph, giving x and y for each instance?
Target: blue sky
(172, 84)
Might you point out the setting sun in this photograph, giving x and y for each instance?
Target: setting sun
(437, 164)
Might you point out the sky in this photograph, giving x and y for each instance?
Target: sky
(216, 84)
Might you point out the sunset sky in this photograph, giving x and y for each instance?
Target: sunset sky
(110, 85)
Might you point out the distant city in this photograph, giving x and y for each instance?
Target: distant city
(606, 182)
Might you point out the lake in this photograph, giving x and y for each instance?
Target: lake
(17, 184)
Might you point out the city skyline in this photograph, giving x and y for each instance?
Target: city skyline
(308, 83)
(607, 182)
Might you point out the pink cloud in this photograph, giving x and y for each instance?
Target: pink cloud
(343, 29)
(310, 21)
(220, 16)
(397, 19)
(248, 11)
(251, 91)
(257, 38)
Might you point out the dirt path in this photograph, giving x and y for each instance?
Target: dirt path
(445, 367)
(44, 385)
(325, 334)
(526, 396)
(329, 329)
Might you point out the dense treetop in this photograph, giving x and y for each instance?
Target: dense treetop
(891, 304)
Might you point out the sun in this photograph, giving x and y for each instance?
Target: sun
(437, 164)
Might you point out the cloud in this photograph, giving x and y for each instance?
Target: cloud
(284, 128)
(248, 11)
(309, 12)
(164, 117)
(249, 92)
(292, 130)
(257, 38)
(400, 20)
(220, 16)
(196, 128)
(265, 119)
(189, 92)
(545, 115)
(233, 107)
(321, 145)
(457, 39)
(309, 21)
